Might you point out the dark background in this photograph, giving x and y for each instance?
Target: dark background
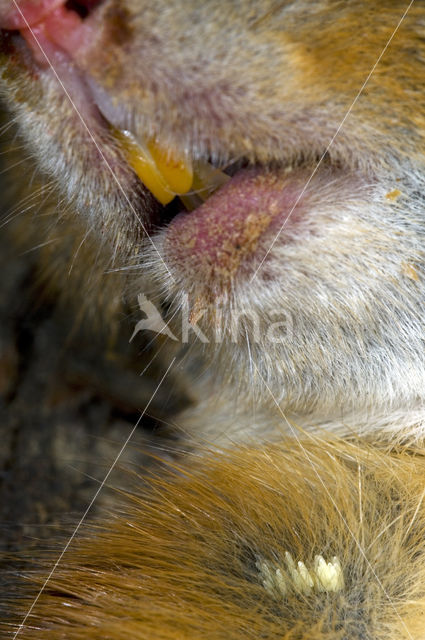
(69, 397)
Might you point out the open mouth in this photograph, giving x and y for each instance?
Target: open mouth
(54, 28)
(232, 208)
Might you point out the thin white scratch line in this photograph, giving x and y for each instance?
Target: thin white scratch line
(333, 137)
(414, 515)
(121, 188)
(359, 546)
(102, 484)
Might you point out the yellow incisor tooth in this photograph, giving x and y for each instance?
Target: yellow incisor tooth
(164, 174)
(167, 174)
(206, 180)
(176, 171)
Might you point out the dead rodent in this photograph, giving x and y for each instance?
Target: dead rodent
(295, 133)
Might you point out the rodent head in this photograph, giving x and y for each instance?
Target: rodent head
(317, 236)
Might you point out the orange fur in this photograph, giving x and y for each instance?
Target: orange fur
(202, 551)
(182, 559)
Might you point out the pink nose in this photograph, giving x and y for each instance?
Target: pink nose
(18, 15)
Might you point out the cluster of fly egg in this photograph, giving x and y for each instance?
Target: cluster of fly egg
(280, 579)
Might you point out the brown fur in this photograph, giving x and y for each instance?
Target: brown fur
(270, 83)
(181, 561)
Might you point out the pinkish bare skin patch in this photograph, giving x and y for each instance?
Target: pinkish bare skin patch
(221, 237)
(30, 12)
(46, 25)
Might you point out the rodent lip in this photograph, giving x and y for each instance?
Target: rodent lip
(228, 218)
(231, 214)
(225, 234)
